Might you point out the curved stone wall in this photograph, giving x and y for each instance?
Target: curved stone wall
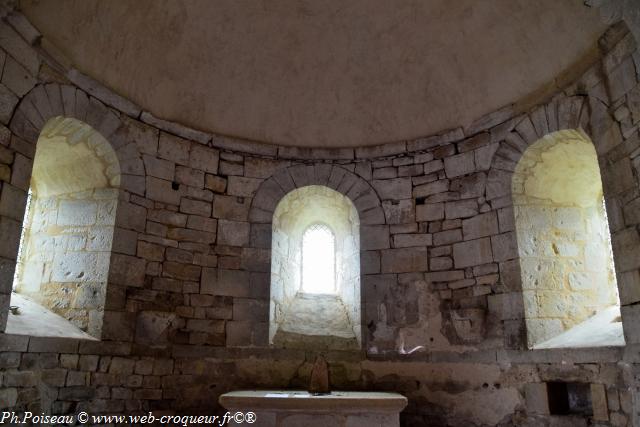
(186, 314)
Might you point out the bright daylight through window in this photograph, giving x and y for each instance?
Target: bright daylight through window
(318, 260)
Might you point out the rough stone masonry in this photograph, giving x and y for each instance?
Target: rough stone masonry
(187, 296)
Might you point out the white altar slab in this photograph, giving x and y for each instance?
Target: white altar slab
(287, 408)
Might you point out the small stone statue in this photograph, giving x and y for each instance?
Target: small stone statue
(319, 383)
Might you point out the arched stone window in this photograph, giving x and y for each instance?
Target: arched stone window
(568, 276)
(315, 271)
(68, 227)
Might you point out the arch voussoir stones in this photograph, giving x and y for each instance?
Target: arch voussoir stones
(285, 180)
(46, 101)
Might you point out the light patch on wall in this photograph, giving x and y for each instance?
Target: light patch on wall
(565, 173)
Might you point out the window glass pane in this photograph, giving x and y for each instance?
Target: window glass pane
(318, 260)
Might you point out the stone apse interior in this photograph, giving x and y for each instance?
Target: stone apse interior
(479, 254)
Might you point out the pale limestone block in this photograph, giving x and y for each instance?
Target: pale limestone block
(106, 214)
(76, 267)
(99, 239)
(539, 330)
(77, 212)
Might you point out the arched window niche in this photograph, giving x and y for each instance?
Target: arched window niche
(315, 271)
(60, 280)
(568, 275)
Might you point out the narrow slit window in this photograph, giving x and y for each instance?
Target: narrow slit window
(318, 260)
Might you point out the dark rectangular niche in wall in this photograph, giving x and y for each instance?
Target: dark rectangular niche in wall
(569, 398)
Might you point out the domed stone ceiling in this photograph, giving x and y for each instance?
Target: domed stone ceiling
(322, 73)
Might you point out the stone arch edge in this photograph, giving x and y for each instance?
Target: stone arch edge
(33, 112)
(589, 115)
(362, 194)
